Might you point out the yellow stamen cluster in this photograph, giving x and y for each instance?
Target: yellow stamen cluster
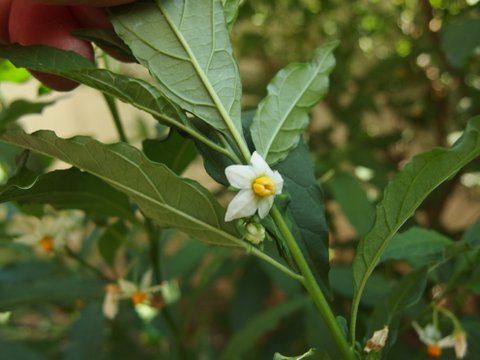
(264, 186)
(46, 244)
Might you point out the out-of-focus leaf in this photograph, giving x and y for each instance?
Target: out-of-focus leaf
(247, 338)
(283, 115)
(52, 288)
(139, 93)
(352, 198)
(18, 351)
(87, 334)
(8, 72)
(163, 196)
(405, 193)
(67, 189)
(192, 60)
(185, 259)
(252, 289)
(19, 108)
(111, 240)
(472, 235)
(407, 292)
(471, 324)
(459, 41)
(307, 210)
(176, 152)
(417, 246)
(375, 292)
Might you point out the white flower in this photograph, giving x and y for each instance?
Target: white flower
(258, 185)
(460, 343)
(377, 341)
(432, 337)
(46, 234)
(124, 289)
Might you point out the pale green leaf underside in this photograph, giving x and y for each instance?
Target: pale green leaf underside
(406, 192)
(168, 199)
(282, 115)
(185, 45)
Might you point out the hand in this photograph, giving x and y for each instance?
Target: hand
(27, 22)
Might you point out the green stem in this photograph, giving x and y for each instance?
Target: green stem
(312, 287)
(87, 265)
(261, 255)
(154, 239)
(112, 106)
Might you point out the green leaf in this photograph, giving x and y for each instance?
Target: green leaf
(105, 38)
(230, 8)
(307, 209)
(67, 189)
(111, 240)
(405, 193)
(191, 60)
(162, 195)
(417, 246)
(247, 338)
(472, 235)
(8, 72)
(87, 334)
(407, 292)
(352, 198)
(139, 93)
(457, 42)
(282, 115)
(19, 108)
(18, 351)
(176, 151)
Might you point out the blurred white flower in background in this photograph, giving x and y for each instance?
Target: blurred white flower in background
(432, 337)
(47, 234)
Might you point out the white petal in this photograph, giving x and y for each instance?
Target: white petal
(244, 204)
(259, 165)
(240, 176)
(278, 179)
(264, 206)
(126, 287)
(146, 279)
(422, 334)
(447, 342)
(110, 305)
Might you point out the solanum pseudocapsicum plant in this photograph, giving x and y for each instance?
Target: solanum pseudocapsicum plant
(195, 90)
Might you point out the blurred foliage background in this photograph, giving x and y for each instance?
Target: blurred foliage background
(407, 79)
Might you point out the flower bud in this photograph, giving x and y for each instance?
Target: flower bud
(255, 233)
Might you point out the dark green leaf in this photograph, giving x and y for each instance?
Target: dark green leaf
(352, 198)
(458, 41)
(163, 196)
(133, 91)
(283, 115)
(104, 38)
(405, 193)
(192, 60)
(18, 351)
(247, 338)
(176, 151)
(417, 246)
(307, 210)
(87, 334)
(67, 189)
(472, 235)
